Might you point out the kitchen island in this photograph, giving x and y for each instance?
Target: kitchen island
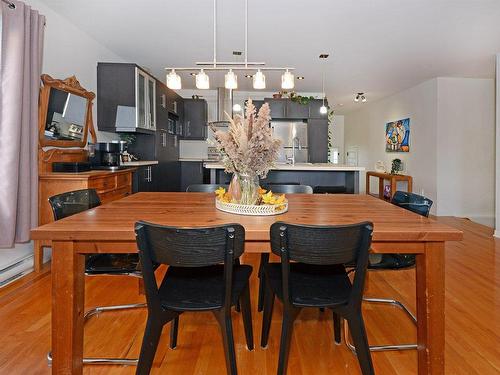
(323, 176)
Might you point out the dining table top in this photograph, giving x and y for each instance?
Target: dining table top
(115, 221)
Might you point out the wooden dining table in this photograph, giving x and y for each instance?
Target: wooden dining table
(110, 229)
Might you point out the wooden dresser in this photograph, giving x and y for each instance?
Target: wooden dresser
(109, 186)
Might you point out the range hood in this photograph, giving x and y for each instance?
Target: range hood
(224, 105)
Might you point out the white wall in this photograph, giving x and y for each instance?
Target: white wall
(337, 131)
(451, 154)
(466, 149)
(365, 128)
(497, 146)
(70, 51)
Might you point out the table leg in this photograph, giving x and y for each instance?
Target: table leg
(394, 187)
(67, 308)
(430, 309)
(38, 255)
(381, 187)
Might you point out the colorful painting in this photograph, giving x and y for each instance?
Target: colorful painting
(397, 136)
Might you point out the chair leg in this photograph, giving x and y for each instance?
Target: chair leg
(150, 341)
(286, 337)
(266, 316)
(337, 328)
(247, 316)
(358, 332)
(226, 326)
(174, 328)
(264, 258)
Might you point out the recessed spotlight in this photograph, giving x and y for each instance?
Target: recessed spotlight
(360, 96)
(300, 78)
(237, 53)
(324, 56)
(248, 75)
(193, 74)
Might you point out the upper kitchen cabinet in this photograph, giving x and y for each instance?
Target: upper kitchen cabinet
(195, 119)
(277, 107)
(126, 98)
(296, 111)
(314, 106)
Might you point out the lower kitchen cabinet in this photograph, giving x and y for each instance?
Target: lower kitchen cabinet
(145, 179)
(193, 172)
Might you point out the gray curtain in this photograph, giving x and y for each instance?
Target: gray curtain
(20, 69)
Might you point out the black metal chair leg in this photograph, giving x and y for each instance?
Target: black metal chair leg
(264, 258)
(337, 328)
(228, 340)
(286, 337)
(149, 345)
(174, 329)
(358, 333)
(266, 316)
(247, 316)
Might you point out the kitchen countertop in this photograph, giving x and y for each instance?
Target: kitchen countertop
(301, 167)
(140, 163)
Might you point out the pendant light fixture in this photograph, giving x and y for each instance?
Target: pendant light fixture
(259, 80)
(202, 80)
(173, 80)
(323, 109)
(231, 80)
(287, 80)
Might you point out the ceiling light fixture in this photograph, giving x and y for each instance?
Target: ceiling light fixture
(360, 96)
(259, 80)
(323, 109)
(300, 78)
(287, 80)
(237, 108)
(202, 79)
(173, 80)
(231, 80)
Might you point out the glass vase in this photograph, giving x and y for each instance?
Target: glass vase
(244, 188)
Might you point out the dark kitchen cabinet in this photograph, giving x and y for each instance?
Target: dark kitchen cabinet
(145, 179)
(192, 172)
(256, 103)
(277, 107)
(195, 119)
(126, 97)
(296, 110)
(317, 137)
(314, 106)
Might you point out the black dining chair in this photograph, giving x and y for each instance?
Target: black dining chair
(421, 206)
(312, 273)
(73, 202)
(264, 257)
(203, 275)
(204, 188)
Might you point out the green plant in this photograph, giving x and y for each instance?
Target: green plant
(304, 100)
(128, 137)
(397, 166)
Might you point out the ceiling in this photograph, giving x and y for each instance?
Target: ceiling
(377, 47)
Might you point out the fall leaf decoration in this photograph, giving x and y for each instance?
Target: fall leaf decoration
(266, 197)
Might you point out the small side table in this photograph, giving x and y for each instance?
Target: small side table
(393, 178)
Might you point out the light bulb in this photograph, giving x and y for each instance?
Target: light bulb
(323, 109)
(202, 80)
(236, 108)
(287, 80)
(231, 80)
(363, 99)
(259, 80)
(173, 80)
(356, 99)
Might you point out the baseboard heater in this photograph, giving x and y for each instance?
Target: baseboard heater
(16, 270)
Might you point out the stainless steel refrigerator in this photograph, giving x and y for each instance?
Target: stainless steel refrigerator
(293, 135)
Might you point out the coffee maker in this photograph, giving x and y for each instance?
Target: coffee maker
(105, 155)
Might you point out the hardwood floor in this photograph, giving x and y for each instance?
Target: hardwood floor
(472, 323)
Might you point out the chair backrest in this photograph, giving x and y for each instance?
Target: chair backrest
(330, 190)
(412, 202)
(187, 247)
(323, 245)
(290, 189)
(204, 188)
(73, 202)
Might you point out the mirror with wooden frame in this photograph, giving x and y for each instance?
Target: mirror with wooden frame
(65, 113)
